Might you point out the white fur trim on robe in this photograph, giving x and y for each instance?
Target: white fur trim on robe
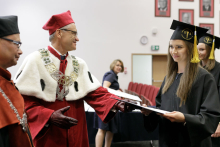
(33, 70)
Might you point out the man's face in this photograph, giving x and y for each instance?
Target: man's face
(68, 38)
(206, 3)
(163, 3)
(9, 52)
(186, 17)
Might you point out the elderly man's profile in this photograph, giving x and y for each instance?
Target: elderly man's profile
(186, 18)
(162, 5)
(206, 5)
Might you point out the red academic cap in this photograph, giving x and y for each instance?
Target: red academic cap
(58, 21)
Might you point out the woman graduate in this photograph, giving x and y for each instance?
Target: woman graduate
(188, 92)
(207, 44)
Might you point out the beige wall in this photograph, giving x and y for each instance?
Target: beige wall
(108, 29)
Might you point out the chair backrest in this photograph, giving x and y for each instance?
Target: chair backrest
(130, 85)
(146, 94)
(139, 87)
(156, 90)
(134, 87)
(143, 89)
(150, 96)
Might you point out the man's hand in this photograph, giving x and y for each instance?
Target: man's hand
(174, 116)
(217, 132)
(62, 121)
(124, 107)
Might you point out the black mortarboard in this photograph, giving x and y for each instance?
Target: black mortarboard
(209, 39)
(184, 31)
(188, 32)
(212, 41)
(8, 25)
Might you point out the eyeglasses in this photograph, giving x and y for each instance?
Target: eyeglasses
(73, 32)
(18, 43)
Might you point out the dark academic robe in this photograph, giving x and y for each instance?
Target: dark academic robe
(216, 74)
(48, 135)
(11, 133)
(201, 111)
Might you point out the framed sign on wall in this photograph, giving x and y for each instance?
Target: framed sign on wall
(187, 0)
(186, 16)
(162, 8)
(208, 26)
(206, 8)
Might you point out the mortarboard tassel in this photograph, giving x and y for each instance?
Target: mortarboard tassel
(195, 58)
(211, 56)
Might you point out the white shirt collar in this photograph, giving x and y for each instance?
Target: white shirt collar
(57, 50)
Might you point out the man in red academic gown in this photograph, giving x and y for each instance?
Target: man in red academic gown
(54, 85)
(14, 131)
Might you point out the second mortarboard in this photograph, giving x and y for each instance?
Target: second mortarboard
(212, 41)
(8, 25)
(190, 33)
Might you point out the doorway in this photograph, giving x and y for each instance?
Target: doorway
(149, 68)
(159, 65)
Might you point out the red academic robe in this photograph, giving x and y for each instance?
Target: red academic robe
(11, 133)
(39, 112)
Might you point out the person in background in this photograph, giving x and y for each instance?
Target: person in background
(107, 130)
(14, 131)
(206, 47)
(188, 92)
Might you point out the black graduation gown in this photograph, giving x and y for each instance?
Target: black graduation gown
(216, 74)
(201, 112)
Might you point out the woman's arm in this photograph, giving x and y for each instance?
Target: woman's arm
(106, 84)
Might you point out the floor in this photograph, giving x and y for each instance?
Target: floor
(153, 143)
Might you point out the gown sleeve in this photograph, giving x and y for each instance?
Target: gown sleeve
(100, 100)
(218, 87)
(38, 115)
(205, 122)
(218, 84)
(109, 78)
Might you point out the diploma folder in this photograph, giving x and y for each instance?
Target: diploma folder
(142, 107)
(125, 95)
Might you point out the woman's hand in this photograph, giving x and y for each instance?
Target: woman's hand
(174, 116)
(144, 111)
(217, 132)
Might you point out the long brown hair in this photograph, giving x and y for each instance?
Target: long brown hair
(187, 78)
(211, 63)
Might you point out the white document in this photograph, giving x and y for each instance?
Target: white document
(136, 106)
(124, 95)
(155, 110)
